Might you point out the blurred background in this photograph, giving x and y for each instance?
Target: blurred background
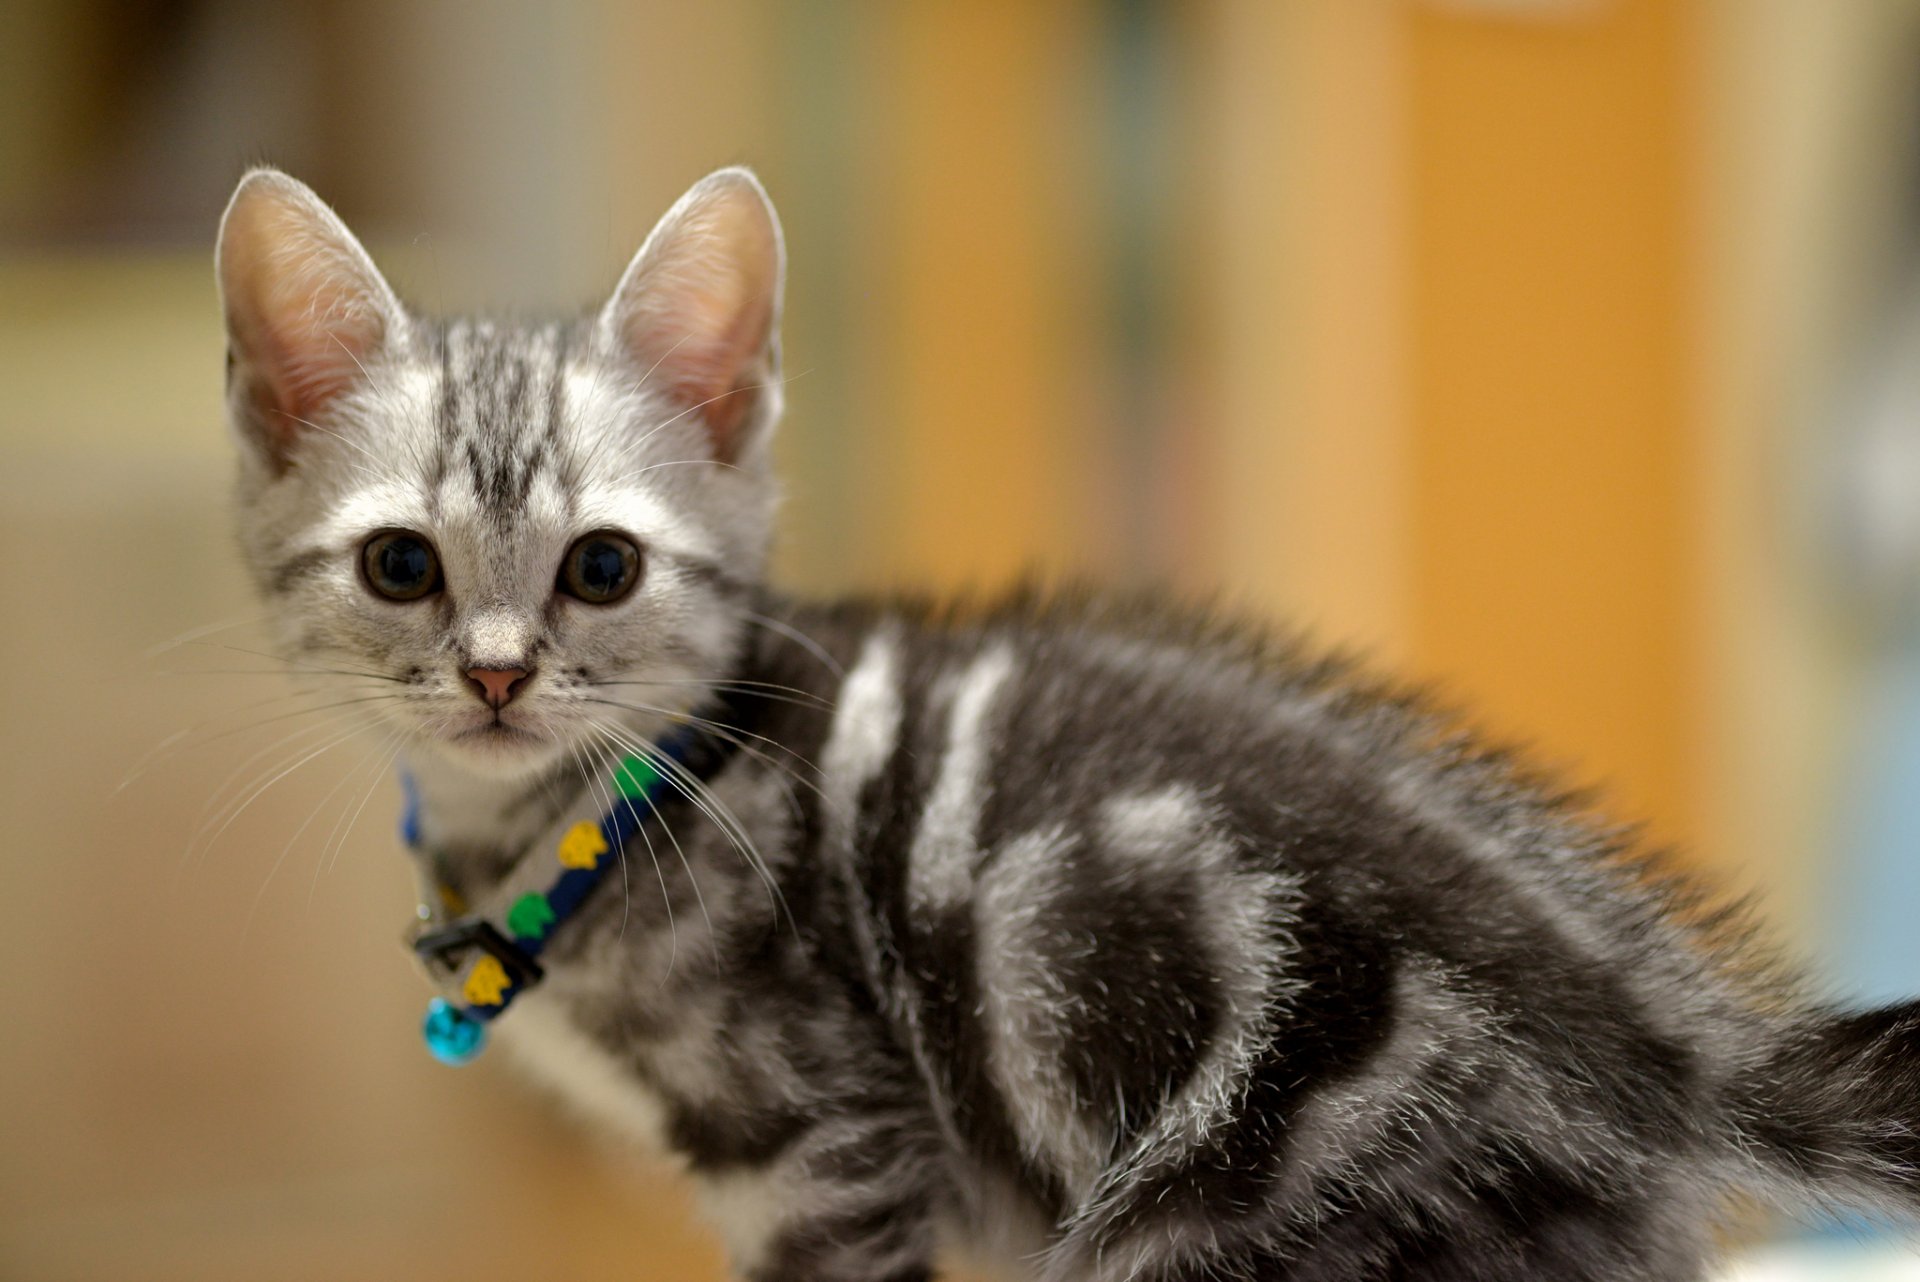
(1558, 352)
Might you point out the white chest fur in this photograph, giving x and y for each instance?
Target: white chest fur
(547, 1044)
(747, 1208)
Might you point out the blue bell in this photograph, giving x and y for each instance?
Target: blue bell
(453, 1036)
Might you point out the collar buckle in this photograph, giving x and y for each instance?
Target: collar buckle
(442, 950)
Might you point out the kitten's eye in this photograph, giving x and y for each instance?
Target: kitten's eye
(401, 566)
(600, 568)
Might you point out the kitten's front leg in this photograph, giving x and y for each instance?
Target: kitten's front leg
(851, 1200)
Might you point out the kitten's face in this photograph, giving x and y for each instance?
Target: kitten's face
(498, 537)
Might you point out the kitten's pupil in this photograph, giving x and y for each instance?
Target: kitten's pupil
(404, 562)
(600, 568)
(401, 566)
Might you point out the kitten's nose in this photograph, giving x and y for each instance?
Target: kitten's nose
(495, 685)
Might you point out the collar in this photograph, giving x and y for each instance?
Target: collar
(484, 964)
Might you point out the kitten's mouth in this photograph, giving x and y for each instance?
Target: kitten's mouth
(498, 745)
(495, 731)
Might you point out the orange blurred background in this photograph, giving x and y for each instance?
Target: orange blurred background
(1500, 339)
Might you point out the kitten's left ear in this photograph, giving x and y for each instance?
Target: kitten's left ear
(698, 310)
(307, 311)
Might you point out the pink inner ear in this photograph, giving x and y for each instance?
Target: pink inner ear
(696, 310)
(714, 374)
(308, 359)
(306, 309)
(725, 413)
(298, 363)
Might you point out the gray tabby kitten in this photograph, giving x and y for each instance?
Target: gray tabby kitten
(1115, 943)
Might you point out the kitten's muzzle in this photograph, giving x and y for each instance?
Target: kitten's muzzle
(496, 686)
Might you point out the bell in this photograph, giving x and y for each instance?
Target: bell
(453, 1036)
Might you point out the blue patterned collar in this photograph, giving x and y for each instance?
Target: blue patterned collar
(483, 964)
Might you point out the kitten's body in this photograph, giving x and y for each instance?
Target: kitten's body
(1117, 944)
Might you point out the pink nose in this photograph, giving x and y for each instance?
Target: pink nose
(495, 685)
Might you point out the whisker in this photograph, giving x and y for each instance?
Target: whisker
(663, 358)
(182, 740)
(253, 796)
(620, 855)
(374, 764)
(152, 756)
(350, 356)
(612, 735)
(592, 782)
(183, 737)
(672, 462)
(339, 436)
(337, 844)
(731, 735)
(601, 446)
(295, 666)
(717, 812)
(215, 797)
(556, 802)
(176, 741)
(732, 391)
(274, 868)
(787, 774)
(799, 638)
(297, 712)
(205, 630)
(769, 690)
(621, 745)
(279, 671)
(282, 670)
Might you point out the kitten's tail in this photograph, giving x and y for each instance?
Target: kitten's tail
(1835, 1107)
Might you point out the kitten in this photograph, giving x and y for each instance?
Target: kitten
(1124, 944)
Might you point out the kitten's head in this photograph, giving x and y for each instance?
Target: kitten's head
(484, 523)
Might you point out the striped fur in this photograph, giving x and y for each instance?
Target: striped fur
(1103, 939)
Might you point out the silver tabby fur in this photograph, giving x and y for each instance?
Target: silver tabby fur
(1094, 938)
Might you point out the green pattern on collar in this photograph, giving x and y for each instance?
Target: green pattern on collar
(635, 777)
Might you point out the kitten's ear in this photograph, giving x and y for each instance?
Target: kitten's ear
(306, 308)
(698, 310)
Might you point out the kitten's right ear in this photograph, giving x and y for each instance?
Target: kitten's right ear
(306, 309)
